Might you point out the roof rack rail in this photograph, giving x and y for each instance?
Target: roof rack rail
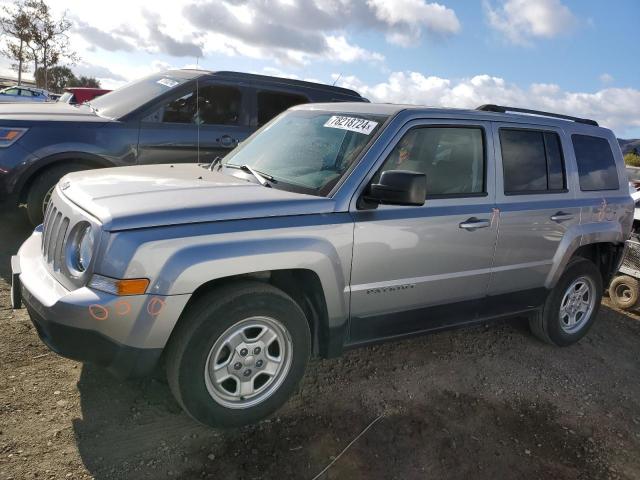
(503, 109)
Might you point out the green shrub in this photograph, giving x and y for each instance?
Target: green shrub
(632, 160)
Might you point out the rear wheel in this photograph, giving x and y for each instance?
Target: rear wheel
(238, 354)
(624, 292)
(572, 305)
(39, 193)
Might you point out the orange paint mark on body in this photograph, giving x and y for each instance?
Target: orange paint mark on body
(155, 306)
(98, 312)
(122, 307)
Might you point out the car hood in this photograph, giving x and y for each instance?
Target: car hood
(47, 112)
(154, 195)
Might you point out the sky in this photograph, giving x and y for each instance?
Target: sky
(579, 57)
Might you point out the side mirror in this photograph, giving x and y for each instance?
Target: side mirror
(399, 187)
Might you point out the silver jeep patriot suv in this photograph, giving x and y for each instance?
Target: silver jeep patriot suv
(333, 226)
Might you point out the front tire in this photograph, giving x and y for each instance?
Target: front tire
(41, 189)
(571, 307)
(238, 354)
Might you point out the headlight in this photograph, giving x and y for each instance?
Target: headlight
(80, 248)
(8, 136)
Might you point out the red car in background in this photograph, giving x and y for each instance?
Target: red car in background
(80, 95)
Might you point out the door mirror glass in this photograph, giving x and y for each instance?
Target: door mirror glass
(399, 187)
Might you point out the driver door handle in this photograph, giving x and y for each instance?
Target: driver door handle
(561, 217)
(228, 141)
(473, 223)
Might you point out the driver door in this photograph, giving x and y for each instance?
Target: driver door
(419, 268)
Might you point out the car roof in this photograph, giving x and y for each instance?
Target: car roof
(252, 77)
(391, 109)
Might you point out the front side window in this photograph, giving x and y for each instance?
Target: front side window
(27, 93)
(306, 151)
(271, 104)
(531, 161)
(596, 165)
(452, 158)
(209, 105)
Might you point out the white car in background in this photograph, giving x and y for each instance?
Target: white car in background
(23, 94)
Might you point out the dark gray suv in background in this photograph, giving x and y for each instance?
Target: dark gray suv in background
(169, 117)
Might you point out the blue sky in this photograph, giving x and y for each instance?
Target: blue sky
(580, 57)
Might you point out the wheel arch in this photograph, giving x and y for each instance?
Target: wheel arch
(303, 286)
(600, 242)
(89, 160)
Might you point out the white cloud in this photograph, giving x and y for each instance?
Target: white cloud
(414, 15)
(523, 20)
(615, 108)
(606, 78)
(343, 51)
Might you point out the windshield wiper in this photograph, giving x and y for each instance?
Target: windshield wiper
(263, 178)
(215, 162)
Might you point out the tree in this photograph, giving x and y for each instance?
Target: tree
(84, 82)
(49, 39)
(17, 26)
(59, 77)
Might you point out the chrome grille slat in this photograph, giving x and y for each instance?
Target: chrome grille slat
(45, 224)
(49, 226)
(53, 237)
(62, 234)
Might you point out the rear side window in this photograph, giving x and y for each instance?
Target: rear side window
(531, 161)
(271, 104)
(596, 165)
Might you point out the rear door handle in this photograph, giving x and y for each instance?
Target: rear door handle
(561, 217)
(473, 223)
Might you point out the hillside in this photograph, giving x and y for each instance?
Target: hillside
(628, 145)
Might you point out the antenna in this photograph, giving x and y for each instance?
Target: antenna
(337, 78)
(198, 115)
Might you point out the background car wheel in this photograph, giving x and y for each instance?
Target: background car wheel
(623, 292)
(40, 191)
(572, 305)
(238, 354)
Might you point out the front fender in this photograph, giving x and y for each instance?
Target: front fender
(180, 259)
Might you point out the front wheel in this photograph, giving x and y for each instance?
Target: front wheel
(572, 305)
(39, 193)
(238, 354)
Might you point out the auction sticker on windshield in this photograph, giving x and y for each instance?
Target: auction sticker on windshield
(167, 82)
(359, 125)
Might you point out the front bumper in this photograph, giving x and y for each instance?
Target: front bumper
(124, 334)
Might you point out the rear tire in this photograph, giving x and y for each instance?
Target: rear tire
(238, 354)
(571, 307)
(40, 191)
(624, 292)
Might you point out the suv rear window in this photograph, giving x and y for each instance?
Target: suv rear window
(532, 161)
(271, 104)
(596, 165)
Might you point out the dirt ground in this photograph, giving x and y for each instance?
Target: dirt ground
(487, 402)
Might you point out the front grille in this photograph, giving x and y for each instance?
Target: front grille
(54, 232)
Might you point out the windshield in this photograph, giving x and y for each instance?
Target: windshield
(307, 151)
(66, 97)
(133, 95)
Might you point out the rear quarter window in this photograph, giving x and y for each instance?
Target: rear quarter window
(596, 164)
